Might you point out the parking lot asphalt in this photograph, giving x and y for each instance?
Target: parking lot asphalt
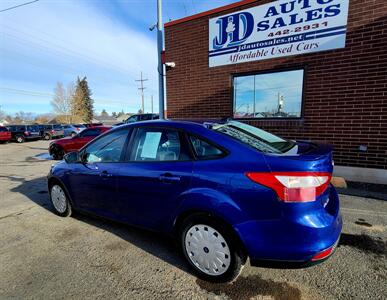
(43, 256)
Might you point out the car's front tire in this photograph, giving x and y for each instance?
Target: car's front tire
(211, 249)
(73, 134)
(60, 200)
(57, 153)
(47, 137)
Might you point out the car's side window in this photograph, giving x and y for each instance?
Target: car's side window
(132, 119)
(90, 132)
(157, 144)
(107, 149)
(205, 150)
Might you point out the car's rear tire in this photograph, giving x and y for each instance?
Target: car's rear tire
(60, 200)
(73, 134)
(211, 248)
(47, 137)
(20, 139)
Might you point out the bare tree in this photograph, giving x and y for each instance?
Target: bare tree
(24, 117)
(2, 114)
(70, 93)
(61, 103)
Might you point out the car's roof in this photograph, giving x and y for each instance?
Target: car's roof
(146, 114)
(182, 124)
(99, 126)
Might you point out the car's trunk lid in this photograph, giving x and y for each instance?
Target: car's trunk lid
(303, 157)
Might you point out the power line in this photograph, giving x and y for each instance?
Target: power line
(16, 6)
(194, 7)
(46, 94)
(142, 88)
(185, 8)
(25, 92)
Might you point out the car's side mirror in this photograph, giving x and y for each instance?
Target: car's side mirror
(72, 157)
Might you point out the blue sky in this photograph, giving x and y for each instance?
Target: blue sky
(106, 40)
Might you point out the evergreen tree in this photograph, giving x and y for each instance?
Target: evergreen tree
(82, 104)
(121, 113)
(104, 113)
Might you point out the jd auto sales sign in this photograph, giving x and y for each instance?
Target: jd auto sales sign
(278, 29)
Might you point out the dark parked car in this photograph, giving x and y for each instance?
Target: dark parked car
(51, 131)
(138, 118)
(59, 148)
(226, 191)
(73, 129)
(141, 117)
(21, 133)
(5, 135)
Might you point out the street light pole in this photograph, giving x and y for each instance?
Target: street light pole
(160, 49)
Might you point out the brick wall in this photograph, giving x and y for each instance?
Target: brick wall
(345, 91)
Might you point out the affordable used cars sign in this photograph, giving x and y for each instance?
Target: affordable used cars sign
(278, 29)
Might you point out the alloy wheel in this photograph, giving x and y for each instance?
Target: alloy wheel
(207, 249)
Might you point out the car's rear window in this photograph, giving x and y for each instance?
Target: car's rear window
(58, 127)
(33, 128)
(255, 137)
(79, 126)
(3, 129)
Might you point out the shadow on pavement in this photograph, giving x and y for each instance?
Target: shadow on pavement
(34, 189)
(155, 244)
(165, 249)
(252, 286)
(364, 243)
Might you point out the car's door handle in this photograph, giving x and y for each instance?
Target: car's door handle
(105, 174)
(169, 178)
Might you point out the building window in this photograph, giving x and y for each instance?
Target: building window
(269, 95)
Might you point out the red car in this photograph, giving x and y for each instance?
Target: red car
(5, 134)
(59, 148)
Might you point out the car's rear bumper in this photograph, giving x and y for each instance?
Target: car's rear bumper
(289, 264)
(293, 241)
(58, 133)
(32, 137)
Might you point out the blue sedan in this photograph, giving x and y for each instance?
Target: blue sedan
(226, 191)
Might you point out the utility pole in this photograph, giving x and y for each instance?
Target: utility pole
(160, 48)
(152, 104)
(142, 88)
(280, 102)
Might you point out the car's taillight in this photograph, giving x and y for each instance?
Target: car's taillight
(324, 254)
(26, 133)
(294, 186)
(78, 129)
(52, 131)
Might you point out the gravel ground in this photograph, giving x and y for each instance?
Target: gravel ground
(45, 256)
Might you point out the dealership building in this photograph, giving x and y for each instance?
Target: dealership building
(302, 69)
